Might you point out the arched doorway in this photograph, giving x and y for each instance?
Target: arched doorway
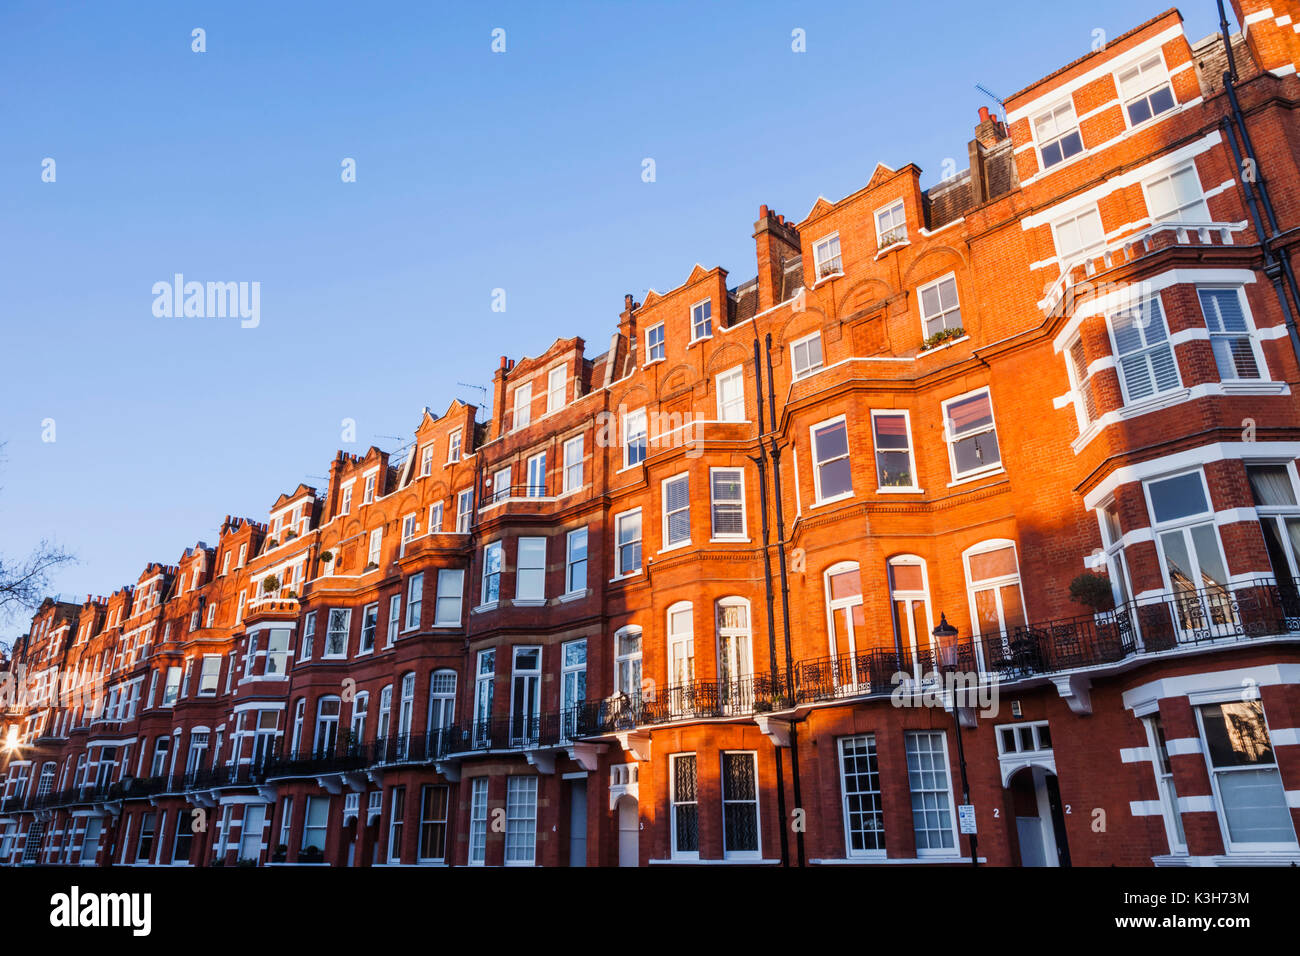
(629, 823)
(1039, 817)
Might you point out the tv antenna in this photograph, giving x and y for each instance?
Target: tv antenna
(993, 96)
(482, 389)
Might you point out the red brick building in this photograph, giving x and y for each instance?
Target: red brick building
(684, 601)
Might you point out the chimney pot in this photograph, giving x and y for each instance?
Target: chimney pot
(762, 211)
(984, 114)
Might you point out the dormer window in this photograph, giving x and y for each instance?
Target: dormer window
(1057, 132)
(826, 256)
(891, 224)
(1145, 90)
(453, 447)
(701, 320)
(426, 461)
(369, 494)
(345, 506)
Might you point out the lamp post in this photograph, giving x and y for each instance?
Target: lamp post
(946, 637)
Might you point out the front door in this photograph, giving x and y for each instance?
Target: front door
(1040, 818)
(578, 822)
(629, 822)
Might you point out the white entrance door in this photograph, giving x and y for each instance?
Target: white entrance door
(578, 822)
(628, 823)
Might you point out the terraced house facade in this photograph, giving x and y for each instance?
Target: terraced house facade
(708, 596)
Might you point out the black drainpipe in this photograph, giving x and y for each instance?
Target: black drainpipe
(761, 460)
(1277, 262)
(785, 592)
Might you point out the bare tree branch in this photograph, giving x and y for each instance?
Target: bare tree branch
(23, 583)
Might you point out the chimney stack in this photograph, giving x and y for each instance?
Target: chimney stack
(776, 242)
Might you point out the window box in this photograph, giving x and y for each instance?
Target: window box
(943, 336)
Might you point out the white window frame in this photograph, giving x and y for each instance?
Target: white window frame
(1251, 334)
(1146, 350)
(955, 850)
(414, 601)
(660, 346)
(1060, 133)
(882, 488)
(894, 210)
(1077, 219)
(757, 852)
(535, 484)
(521, 405)
(572, 482)
(451, 587)
(869, 739)
(639, 540)
(951, 439)
(555, 394)
(1158, 60)
(532, 570)
(714, 534)
(570, 563)
(623, 683)
(492, 547)
(818, 463)
(808, 368)
(639, 418)
(825, 262)
(1178, 213)
(673, 804)
(453, 446)
(944, 313)
(673, 481)
(701, 320)
(727, 408)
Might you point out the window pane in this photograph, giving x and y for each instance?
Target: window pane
(1177, 497)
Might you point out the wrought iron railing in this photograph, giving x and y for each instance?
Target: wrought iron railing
(1189, 617)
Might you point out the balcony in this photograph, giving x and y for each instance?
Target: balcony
(1132, 247)
(1057, 649)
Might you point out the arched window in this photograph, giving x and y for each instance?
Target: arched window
(735, 653)
(299, 713)
(909, 595)
(360, 710)
(442, 709)
(844, 607)
(385, 712)
(327, 726)
(627, 661)
(681, 657)
(993, 585)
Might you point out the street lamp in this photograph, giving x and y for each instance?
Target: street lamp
(945, 636)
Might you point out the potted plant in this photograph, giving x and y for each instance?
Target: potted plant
(327, 556)
(943, 335)
(311, 854)
(1093, 591)
(370, 566)
(290, 535)
(270, 584)
(281, 854)
(272, 543)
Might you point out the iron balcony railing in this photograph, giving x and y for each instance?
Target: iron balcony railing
(1188, 617)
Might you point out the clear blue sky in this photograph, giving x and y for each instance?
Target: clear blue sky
(475, 171)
